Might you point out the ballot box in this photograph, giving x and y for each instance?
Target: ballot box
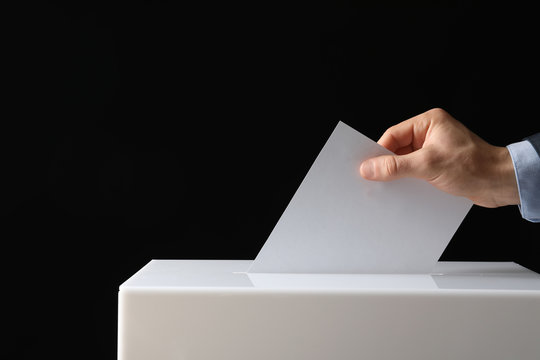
(215, 310)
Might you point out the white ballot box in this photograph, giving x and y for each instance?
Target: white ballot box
(214, 310)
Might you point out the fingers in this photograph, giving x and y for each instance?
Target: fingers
(392, 167)
(408, 134)
(404, 150)
(397, 136)
(406, 140)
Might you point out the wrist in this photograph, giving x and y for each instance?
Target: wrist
(505, 189)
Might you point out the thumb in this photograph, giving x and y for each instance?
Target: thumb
(392, 167)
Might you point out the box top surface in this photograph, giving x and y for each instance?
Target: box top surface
(221, 275)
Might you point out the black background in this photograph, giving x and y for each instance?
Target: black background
(146, 130)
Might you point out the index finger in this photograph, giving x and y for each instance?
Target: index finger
(410, 133)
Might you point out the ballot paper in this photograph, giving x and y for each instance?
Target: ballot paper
(338, 222)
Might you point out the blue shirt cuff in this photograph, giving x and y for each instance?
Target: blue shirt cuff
(527, 168)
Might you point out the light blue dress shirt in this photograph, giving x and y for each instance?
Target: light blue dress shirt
(526, 158)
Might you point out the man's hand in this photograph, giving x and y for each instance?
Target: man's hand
(439, 149)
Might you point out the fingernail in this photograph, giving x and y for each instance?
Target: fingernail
(367, 170)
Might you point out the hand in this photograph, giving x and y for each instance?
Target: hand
(439, 149)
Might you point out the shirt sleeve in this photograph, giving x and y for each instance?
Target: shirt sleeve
(526, 158)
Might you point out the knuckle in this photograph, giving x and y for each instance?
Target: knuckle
(437, 114)
(391, 166)
(437, 111)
